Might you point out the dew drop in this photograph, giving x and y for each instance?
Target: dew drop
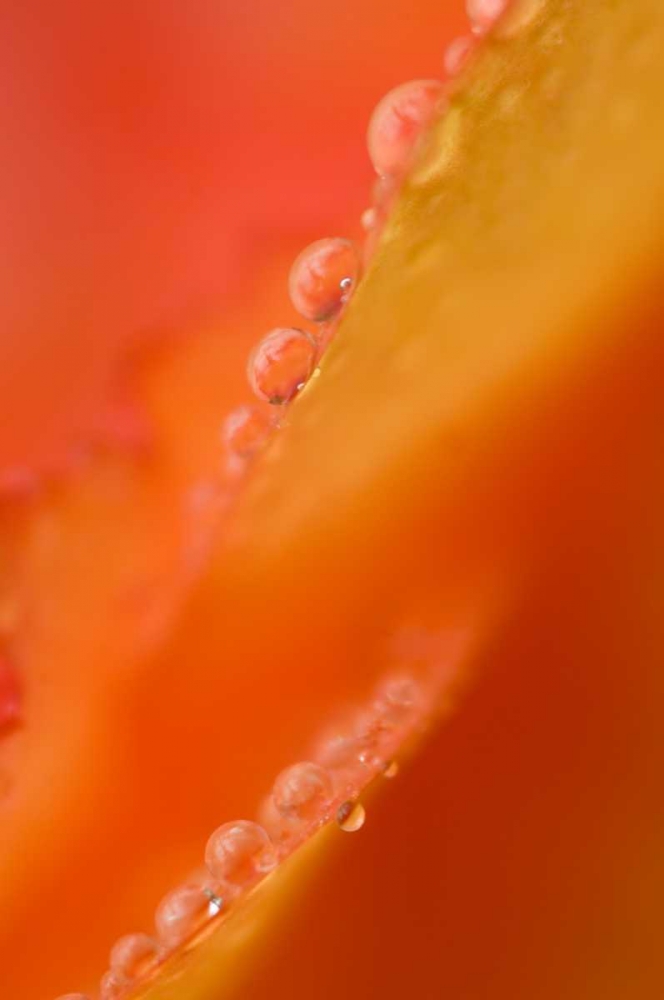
(303, 792)
(180, 913)
(215, 903)
(398, 121)
(391, 769)
(369, 219)
(398, 700)
(280, 364)
(110, 987)
(457, 54)
(246, 430)
(132, 955)
(239, 853)
(322, 277)
(351, 816)
(483, 14)
(73, 996)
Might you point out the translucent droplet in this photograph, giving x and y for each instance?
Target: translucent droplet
(132, 955)
(391, 769)
(457, 54)
(351, 816)
(397, 123)
(483, 14)
(73, 996)
(280, 364)
(239, 853)
(399, 698)
(369, 219)
(322, 277)
(303, 792)
(111, 987)
(246, 430)
(215, 903)
(180, 914)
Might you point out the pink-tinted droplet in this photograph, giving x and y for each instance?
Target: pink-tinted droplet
(369, 219)
(73, 996)
(322, 278)
(397, 123)
(181, 912)
(399, 698)
(239, 853)
(483, 14)
(132, 955)
(280, 364)
(10, 693)
(303, 792)
(246, 430)
(457, 54)
(111, 987)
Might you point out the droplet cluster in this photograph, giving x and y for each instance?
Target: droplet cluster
(346, 758)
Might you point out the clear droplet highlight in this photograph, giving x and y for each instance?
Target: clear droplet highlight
(323, 277)
(397, 123)
(351, 816)
(281, 364)
(238, 854)
(303, 792)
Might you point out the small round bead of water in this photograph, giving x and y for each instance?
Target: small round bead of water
(457, 55)
(280, 364)
(180, 913)
(246, 430)
(483, 14)
(111, 987)
(351, 816)
(322, 278)
(397, 123)
(303, 792)
(132, 955)
(239, 853)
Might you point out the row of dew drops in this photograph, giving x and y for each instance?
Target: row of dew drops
(310, 793)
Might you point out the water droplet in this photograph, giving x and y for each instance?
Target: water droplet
(483, 14)
(180, 913)
(351, 816)
(391, 769)
(110, 987)
(398, 699)
(303, 792)
(215, 903)
(239, 853)
(457, 54)
(10, 693)
(132, 955)
(322, 277)
(369, 219)
(246, 430)
(397, 123)
(280, 364)
(73, 996)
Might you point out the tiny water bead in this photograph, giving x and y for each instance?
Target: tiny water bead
(351, 816)
(457, 54)
(483, 14)
(246, 430)
(281, 363)
(111, 987)
(391, 769)
(239, 853)
(303, 791)
(180, 913)
(73, 996)
(397, 123)
(132, 955)
(398, 699)
(322, 278)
